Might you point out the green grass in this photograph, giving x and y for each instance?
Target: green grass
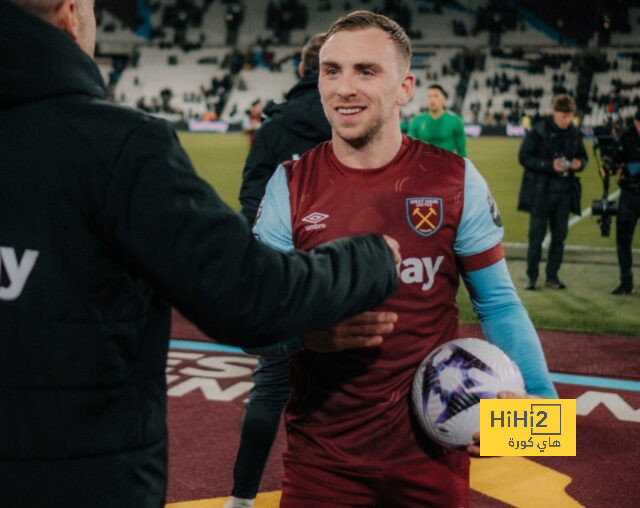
(219, 159)
(497, 160)
(585, 306)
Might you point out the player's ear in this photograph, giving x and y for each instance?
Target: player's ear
(406, 89)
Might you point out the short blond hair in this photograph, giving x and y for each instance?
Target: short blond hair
(361, 20)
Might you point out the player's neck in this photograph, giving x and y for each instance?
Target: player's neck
(378, 152)
(436, 114)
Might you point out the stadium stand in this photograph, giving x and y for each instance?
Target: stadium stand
(630, 37)
(110, 29)
(185, 74)
(517, 83)
(616, 88)
(261, 84)
(433, 66)
(501, 62)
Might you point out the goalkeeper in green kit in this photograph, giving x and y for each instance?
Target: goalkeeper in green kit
(439, 126)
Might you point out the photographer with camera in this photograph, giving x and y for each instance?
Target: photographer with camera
(552, 153)
(629, 205)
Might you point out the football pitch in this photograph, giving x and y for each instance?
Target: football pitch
(590, 270)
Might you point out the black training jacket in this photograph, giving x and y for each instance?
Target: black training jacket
(103, 226)
(290, 129)
(537, 151)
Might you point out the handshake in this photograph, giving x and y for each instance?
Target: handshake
(362, 330)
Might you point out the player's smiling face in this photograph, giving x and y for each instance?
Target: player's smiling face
(363, 84)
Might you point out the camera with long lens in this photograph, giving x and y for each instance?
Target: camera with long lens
(609, 154)
(605, 209)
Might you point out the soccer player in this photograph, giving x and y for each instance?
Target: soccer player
(352, 439)
(439, 126)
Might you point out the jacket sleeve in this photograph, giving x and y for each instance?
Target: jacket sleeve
(531, 156)
(172, 230)
(259, 166)
(582, 152)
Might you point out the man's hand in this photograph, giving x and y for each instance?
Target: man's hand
(363, 330)
(474, 448)
(575, 164)
(558, 166)
(514, 395)
(395, 249)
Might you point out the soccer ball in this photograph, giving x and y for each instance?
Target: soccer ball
(450, 382)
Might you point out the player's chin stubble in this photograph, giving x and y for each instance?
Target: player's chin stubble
(368, 136)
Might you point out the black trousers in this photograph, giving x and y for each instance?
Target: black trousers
(556, 215)
(267, 400)
(628, 215)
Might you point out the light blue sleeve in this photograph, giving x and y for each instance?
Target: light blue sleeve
(273, 228)
(480, 226)
(506, 323)
(273, 222)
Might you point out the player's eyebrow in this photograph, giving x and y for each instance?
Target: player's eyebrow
(358, 66)
(368, 65)
(330, 63)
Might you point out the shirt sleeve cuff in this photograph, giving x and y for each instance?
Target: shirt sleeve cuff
(482, 259)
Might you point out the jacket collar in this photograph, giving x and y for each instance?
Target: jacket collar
(39, 61)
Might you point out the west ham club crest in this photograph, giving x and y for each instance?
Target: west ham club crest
(425, 215)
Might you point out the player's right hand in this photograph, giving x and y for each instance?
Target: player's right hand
(474, 448)
(363, 330)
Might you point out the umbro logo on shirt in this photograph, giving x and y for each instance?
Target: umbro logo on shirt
(315, 217)
(316, 221)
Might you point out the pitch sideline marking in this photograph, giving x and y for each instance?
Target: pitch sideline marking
(570, 379)
(574, 220)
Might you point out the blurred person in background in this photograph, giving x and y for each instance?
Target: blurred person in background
(628, 205)
(438, 126)
(552, 153)
(289, 129)
(252, 120)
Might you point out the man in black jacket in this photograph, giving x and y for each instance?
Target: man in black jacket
(291, 128)
(552, 153)
(103, 225)
(629, 205)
